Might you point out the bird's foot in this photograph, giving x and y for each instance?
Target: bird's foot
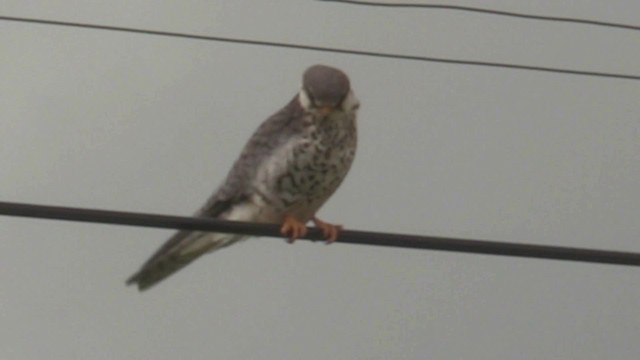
(330, 231)
(292, 228)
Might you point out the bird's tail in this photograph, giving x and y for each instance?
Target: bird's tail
(179, 251)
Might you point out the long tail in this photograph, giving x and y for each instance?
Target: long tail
(179, 251)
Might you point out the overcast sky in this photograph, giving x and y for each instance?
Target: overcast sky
(144, 123)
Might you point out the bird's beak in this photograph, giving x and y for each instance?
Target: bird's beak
(325, 110)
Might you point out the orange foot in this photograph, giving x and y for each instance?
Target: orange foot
(330, 231)
(292, 228)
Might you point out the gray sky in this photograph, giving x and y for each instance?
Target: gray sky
(143, 123)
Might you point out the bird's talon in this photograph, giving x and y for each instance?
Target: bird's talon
(330, 231)
(292, 229)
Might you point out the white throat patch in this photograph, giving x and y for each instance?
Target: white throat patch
(350, 103)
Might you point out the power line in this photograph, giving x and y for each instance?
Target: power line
(324, 49)
(346, 236)
(491, 12)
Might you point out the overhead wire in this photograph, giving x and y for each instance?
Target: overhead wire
(346, 236)
(322, 48)
(488, 11)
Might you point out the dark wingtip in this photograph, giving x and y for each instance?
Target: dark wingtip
(136, 281)
(132, 280)
(153, 273)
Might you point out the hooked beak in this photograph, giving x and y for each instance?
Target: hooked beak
(325, 110)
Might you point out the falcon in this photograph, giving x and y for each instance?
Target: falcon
(288, 169)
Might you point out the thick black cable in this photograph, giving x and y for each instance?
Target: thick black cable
(325, 49)
(489, 11)
(346, 236)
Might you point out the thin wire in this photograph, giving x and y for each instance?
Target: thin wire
(325, 49)
(346, 236)
(490, 11)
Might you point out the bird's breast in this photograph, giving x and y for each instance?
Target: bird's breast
(309, 167)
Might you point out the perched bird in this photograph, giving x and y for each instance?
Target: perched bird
(288, 169)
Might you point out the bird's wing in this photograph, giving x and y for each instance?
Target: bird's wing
(229, 201)
(268, 137)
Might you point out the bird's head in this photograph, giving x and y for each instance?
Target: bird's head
(326, 89)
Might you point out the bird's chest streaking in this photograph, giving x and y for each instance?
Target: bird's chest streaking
(308, 168)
